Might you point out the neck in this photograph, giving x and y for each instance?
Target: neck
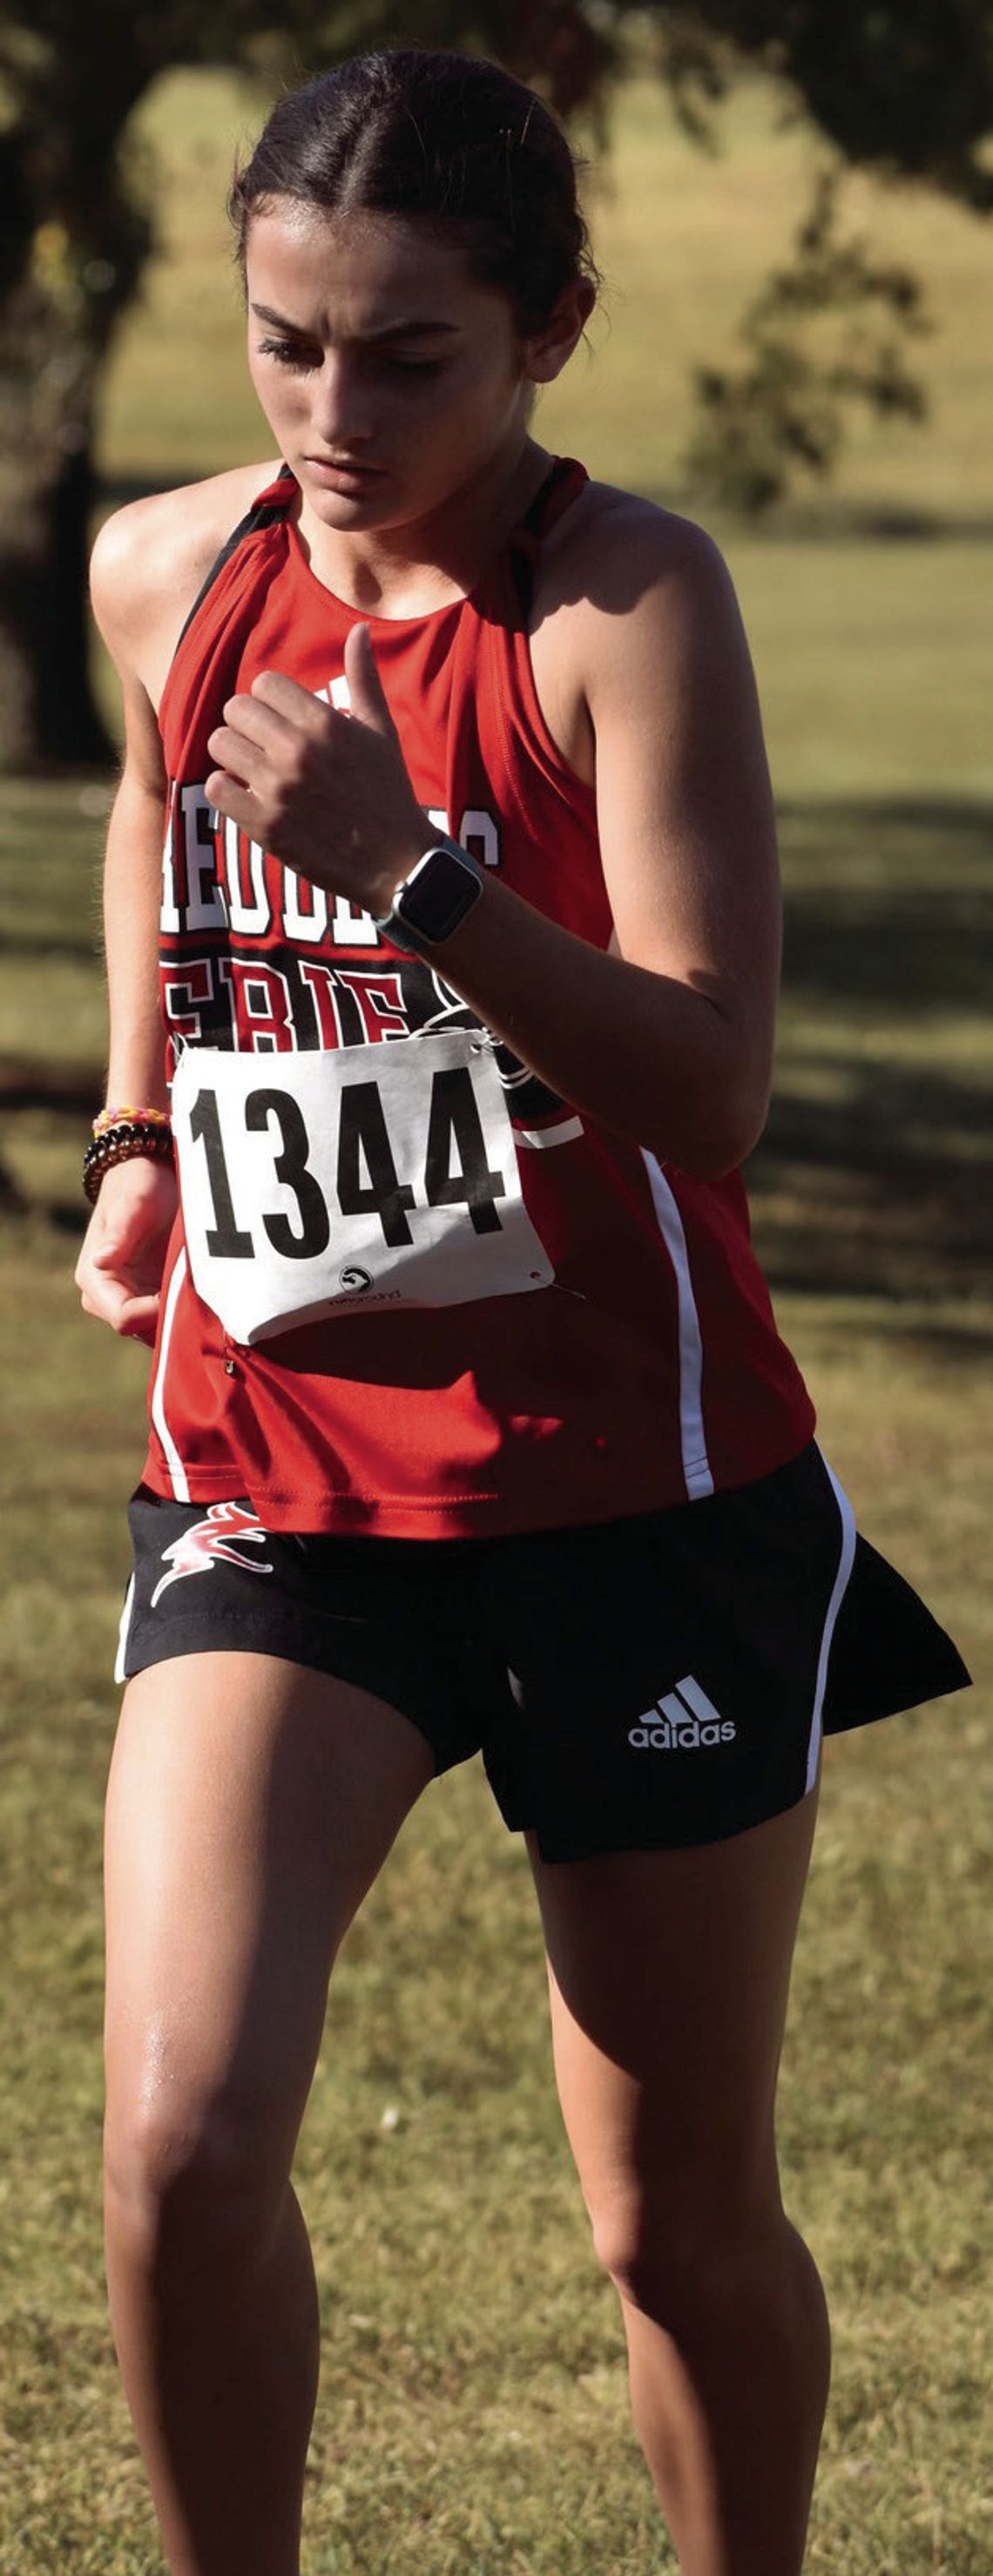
(408, 571)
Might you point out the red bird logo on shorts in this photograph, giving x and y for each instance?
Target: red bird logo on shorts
(200, 1547)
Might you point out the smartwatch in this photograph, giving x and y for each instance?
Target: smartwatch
(430, 903)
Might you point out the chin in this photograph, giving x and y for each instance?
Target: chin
(341, 509)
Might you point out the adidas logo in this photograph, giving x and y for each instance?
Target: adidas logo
(684, 1719)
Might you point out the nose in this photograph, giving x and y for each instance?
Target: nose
(341, 405)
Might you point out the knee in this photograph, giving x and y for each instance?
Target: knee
(681, 2251)
(191, 2174)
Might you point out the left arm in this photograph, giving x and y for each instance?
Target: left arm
(668, 1037)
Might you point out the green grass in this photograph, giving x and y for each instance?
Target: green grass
(473, 2414)
(469, 2342)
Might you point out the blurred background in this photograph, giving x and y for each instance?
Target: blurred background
(790, 207)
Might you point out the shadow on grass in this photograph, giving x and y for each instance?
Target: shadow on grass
(873, 1176)
(880, 1191)
(889, 904)
(872, 1179)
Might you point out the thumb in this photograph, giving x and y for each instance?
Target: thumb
(365, 688)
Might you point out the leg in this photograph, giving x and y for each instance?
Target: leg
(250, 1806)
(669, 1975)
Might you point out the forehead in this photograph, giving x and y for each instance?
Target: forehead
(359, 273)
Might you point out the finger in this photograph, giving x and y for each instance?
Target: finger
(365, 688)
(242, 753)
(236, 802)
(274, 694)
(114, 1261)
(138, 1319)
(113, 1303)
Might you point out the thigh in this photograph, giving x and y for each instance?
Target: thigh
(669, 1977)
(250, 1805)
(668, 1672)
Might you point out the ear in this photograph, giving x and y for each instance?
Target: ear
(550, 350)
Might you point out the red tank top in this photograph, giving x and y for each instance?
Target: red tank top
(649, 1368)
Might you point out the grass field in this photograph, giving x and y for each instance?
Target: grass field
(473, 2414)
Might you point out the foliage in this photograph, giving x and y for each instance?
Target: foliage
(76, 236)
(783, 409)
(904, 85)
(904, 89)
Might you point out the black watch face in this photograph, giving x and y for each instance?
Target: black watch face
(443, 892)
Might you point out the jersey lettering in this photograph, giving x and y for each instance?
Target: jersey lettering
(322, 982)
(262, 1016)
(379, 998)
(205, 905)
(351, 929)
(303, 920)
(181, 992)
(248, 913)
(214, 878)
(478, 833)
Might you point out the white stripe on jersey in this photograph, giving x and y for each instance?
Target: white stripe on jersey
(696, 1464)
(563, 1133)
(845, 1563)
(174, 1462)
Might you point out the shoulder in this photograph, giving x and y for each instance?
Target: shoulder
(151, 558)
(634, 623)
(613, 554)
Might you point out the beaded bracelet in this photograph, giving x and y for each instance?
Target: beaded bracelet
(118, 1116)
(120, 1143)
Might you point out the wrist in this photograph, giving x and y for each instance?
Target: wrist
(428, 905)
(125, 1135)
(130, 1112)
(139, 1082)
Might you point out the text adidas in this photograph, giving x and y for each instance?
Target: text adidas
(681, 1722)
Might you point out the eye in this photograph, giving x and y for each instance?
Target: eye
(412, 366)
(289, 353)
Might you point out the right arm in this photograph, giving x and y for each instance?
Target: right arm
(148, 565)
(120, 1266)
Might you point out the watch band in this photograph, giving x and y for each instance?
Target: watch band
(429, 904)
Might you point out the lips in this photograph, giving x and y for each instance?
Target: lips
(343, 470)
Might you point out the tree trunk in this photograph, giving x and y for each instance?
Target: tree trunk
(71, 249)
(48, 713)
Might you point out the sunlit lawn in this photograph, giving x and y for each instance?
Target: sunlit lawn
(473, 2415)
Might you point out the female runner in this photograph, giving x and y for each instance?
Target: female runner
(470, 1425)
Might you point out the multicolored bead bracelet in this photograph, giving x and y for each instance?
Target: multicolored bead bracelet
(119, 1134)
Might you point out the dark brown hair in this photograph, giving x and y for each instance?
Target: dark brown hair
(447, 139)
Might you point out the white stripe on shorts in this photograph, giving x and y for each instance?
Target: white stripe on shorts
(122, 1640)
(845, 1563)
(174, 1462)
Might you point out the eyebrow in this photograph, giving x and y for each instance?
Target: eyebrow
(417, 326)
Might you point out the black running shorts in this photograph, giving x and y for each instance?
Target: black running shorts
(640, 1684)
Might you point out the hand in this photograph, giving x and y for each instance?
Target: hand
(327, 793)
(120, 1267)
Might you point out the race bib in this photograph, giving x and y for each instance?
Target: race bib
(380, 1176)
